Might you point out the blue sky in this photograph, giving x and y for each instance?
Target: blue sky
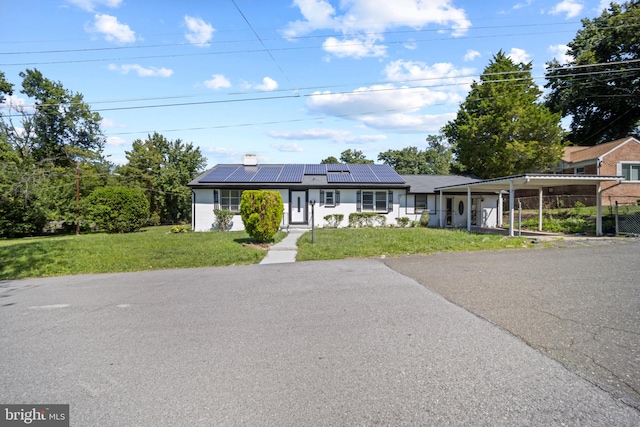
(291, 81)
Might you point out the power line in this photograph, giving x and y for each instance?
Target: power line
(362, 92)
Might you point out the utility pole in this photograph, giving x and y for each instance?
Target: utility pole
(77, 198)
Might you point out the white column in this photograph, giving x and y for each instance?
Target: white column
(540, 209)
(441, 221)
(599, 209)
(469, 208)
(511, 192)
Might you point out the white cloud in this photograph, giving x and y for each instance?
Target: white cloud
(15, 103)
(335, 135)
(218, 81)
(414, 123)
(471, 55)
(364, 17)
(571, 7)
(268, 85)
(288, 148)
(111, 29)
(384, 106)
(521, 5)
(141, 71)
(109, 123)
(116, 140)
(199, 32)
(419, 73)
(359, 47)
(90, 5)
(518, 55)
(560, 53)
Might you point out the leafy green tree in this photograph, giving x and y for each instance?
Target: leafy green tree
(117, 209)
(64, 127)
(6, 88)
(599, 88)
(42, 150)
(437, 159)
(261, 212)
(163, 168)
(330, 161)
(501, 129)
(354, 156)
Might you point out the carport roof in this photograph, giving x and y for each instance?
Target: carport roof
(528, 181)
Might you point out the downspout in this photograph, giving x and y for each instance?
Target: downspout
(599, 209)
(540, 192)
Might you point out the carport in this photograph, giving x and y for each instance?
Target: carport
(527, 182)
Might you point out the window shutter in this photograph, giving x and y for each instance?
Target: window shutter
(390, 204)
(359, 201)
(337, 197)
(321, 197)
(216, 199)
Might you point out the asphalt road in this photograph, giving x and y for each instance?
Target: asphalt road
(320, 343)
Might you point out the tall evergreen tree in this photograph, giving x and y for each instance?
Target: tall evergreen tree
(501, 129)
(600, 87)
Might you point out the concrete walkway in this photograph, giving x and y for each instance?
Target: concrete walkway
(286, 250)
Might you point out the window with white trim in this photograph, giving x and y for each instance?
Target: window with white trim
(578, 171)
(329, 198)
(631, 171)
(420, 202)
(230, 200)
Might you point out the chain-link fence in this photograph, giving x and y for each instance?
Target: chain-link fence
(620, 213)
(627, 218)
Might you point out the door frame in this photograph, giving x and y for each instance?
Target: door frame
(301, 208)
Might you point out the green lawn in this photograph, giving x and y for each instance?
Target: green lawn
(155, 248)
(341, 243)
(152, 248)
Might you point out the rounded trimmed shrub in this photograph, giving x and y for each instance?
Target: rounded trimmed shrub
(261, 213)
(117, 209)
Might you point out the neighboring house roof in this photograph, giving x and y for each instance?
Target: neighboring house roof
(581, 154)
(288, 175)
(428, 183)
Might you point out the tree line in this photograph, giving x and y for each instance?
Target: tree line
(52, 159)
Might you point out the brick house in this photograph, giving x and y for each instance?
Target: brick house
(615, 158)
(620, 158)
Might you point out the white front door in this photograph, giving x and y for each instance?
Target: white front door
(298, 207)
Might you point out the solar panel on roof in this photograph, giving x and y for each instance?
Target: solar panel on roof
(267, 174)
(242, 174)
(315, 169)
(219, 174)
(337, 168)
(291, 173)
(338, 177)
(363, 173)
(386, 174)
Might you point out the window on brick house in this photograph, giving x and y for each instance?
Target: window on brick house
(631, 172)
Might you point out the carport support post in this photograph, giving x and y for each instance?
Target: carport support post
(469, 208)
(510, 208)
(540, 209)
(441, 219)
(599, 209)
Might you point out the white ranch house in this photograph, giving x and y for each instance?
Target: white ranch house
(341, 189)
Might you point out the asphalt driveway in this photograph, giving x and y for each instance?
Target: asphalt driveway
(320, 343)
(579, 304)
